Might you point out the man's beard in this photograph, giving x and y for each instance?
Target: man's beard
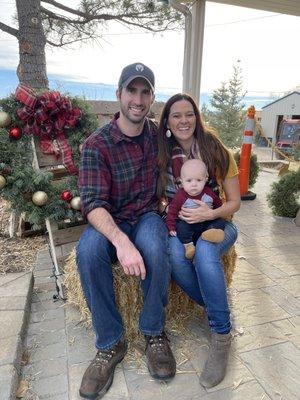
(129, 117)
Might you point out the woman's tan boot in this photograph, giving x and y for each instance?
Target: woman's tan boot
(213, 235)
(189, 250)
(215, 367)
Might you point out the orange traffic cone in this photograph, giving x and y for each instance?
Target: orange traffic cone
(244, 167)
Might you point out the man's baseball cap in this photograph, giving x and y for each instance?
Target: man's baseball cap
(136, 70)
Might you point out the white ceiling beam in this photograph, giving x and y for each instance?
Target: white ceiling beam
(290, 7)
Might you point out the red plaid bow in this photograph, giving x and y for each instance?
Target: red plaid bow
(48, 116)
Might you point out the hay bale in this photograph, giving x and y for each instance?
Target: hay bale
(229, 260)
(129, 297)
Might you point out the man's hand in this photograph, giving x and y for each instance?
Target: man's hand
(127, 253)
(195, 215)
(173, 233)
(130, 259)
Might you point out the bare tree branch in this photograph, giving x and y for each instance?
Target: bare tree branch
(9, 29)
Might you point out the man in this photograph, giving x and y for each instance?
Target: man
(117, 182)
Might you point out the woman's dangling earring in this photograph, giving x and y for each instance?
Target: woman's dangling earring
(168, 133)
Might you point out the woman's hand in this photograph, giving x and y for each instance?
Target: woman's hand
(173, 233)
(199, 214)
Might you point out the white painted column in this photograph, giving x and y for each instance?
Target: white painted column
(195, 59)
(187, 42)
(193, 45)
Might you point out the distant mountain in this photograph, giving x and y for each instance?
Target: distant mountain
(102, 91)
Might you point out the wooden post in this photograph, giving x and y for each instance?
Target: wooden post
(297, 219)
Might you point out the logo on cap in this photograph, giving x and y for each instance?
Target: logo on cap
(136, 70)
(139, 67)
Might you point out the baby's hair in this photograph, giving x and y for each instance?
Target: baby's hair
(193, 163)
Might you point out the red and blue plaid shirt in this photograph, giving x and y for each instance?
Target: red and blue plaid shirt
(117, 174)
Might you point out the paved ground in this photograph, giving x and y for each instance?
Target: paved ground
(265, 299)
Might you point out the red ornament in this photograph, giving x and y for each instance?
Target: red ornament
(15, 133)
(66, 195)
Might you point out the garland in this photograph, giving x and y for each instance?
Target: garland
(59, 124)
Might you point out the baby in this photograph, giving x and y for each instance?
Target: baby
(194, 176)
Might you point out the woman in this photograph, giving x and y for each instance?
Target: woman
(182, 136)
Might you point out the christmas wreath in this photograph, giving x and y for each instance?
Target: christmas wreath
(59, 124)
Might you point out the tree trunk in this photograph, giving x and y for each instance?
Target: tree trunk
(32, 66)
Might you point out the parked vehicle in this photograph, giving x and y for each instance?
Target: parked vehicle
(288, 137)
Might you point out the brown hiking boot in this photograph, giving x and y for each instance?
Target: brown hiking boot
(160, 359)
(99, 375)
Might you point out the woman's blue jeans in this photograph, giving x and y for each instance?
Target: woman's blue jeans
(203, 279)
(95, 256)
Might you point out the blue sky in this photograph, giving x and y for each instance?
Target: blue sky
(100, 91)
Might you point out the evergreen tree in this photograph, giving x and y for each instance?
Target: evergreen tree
(205, 114)
(227, 115)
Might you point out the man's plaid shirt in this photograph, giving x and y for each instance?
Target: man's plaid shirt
(115, 173)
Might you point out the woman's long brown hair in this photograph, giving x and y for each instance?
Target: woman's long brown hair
(212, 151)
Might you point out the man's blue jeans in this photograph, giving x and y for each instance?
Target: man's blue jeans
(95, 255)
(203, 279)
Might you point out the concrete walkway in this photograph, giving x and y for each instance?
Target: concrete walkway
(15, 297)
(265, 299)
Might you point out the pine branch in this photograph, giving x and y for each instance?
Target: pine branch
(140, 17)
(101, 17)
(65, 43)
(81, 25)
(8, 29)
(141, 25)
(64, 8)
(87, 17)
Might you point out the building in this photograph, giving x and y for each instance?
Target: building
(273, 113)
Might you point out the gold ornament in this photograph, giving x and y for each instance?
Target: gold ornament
(2, 182)
(76, 203)
(5, 119)
(39, 198)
